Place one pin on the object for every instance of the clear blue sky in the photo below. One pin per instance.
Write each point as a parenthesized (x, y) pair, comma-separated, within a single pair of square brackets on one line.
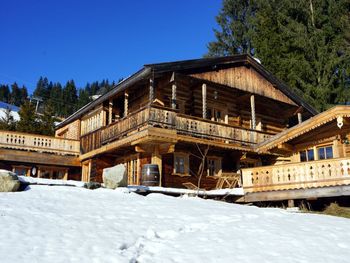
[(92, 40)]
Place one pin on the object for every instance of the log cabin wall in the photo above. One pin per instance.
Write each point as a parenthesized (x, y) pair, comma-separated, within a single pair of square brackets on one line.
[(138, 97), (93, 120), (229, 161), (69, 131), (246, 79), (233, 104)]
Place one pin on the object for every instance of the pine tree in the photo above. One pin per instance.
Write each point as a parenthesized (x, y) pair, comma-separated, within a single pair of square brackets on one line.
[(83, 99), (311, 49), (70, 98), (47, 121), (28, 121), (42, 88), (236, 27), (23, 95), (304, 43), (15, 96), (7, 122), (4, 93)]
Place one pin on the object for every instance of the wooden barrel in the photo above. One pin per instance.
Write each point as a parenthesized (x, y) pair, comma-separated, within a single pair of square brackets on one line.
[(150, 175)]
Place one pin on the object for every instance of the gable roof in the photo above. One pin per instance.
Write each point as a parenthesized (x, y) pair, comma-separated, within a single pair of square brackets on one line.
[(304, 127), (188, 66)]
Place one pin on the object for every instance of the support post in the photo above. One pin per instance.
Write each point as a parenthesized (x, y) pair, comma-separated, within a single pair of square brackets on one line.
[(151, 90), (173, 96), (300, 118), (126, 103), (204, 100), (110, 111), (290, 203), (252, 106), (157, 159)]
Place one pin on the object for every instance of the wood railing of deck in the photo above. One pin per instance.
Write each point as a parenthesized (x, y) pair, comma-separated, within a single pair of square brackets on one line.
[(197, 127), (170, 119), (329, 172), (40, 143)]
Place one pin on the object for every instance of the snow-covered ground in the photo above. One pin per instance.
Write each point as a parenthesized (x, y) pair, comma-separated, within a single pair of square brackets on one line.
[(72, 224)]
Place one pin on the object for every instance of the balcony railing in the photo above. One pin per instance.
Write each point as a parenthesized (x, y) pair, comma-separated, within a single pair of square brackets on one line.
[(40, 143), (329, 172), (167, 118)]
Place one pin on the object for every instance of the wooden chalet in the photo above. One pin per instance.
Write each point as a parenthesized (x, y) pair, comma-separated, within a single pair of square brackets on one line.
[(212, 122), (171, 114)]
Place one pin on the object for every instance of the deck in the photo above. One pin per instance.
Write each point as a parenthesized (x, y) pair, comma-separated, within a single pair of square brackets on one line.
[(185, 126), (38, 143), (297, 180)]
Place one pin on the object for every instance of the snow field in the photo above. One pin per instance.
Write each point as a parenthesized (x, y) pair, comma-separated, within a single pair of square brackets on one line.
[(71, 224)]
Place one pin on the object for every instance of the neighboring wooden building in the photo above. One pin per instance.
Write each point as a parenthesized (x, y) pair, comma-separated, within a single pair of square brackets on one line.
[(171, 114), (39, 156), (318, 161)]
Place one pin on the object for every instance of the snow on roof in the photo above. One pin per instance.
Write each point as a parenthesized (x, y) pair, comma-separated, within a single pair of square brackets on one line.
[(14, 114), (4, 105)]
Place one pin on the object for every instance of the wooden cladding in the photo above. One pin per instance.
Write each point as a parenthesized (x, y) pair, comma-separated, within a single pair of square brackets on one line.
[(93, 122), (329, 172), (167, 118), (40, 143), (246, 79)]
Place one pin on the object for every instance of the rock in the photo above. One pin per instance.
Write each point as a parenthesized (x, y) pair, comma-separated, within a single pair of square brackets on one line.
[(8, 181), (92, 185), (115, 176)]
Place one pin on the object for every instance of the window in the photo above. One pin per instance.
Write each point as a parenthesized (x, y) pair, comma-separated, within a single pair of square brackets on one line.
[(21, 170), (214, 114), (181, 163), (307, 155), (213, 166), (325, 152)]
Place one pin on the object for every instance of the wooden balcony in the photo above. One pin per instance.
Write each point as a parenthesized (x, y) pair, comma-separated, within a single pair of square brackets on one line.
[(305, 175), (38, 143), (170, 119)]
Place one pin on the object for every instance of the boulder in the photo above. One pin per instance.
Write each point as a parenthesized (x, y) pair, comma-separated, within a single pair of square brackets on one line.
[(115, 176), (8, 181), (92, 185)]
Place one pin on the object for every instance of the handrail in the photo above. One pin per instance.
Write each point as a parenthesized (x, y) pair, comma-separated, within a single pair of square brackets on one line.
[(328, 172), (36, 142), (158, 116)]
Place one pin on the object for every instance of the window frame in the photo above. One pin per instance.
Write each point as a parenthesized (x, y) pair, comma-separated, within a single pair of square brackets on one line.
[(324, 147), (217, 161), (186, 170)]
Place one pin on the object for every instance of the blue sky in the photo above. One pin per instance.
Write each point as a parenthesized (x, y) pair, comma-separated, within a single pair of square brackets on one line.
[(92, 40)]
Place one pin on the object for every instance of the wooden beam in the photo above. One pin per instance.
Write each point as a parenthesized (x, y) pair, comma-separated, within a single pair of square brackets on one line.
[(204, 100), (252, 107), (173, 96), (110, 111), (330, 191), (300, 118), (138, 149), (157, 159), (151, 90), (285, 147), (126, 103)]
